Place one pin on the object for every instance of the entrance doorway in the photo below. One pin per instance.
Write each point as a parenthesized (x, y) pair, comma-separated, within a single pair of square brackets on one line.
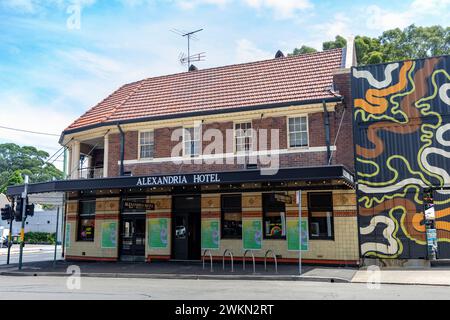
[(186, 224), (132, 235)]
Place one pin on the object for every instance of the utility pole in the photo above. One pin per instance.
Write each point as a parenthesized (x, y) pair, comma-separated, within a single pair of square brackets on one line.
[(22, 230), (56, 237)]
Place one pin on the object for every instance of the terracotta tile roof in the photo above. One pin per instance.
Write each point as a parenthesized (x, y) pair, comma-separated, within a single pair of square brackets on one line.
[(276, 81)]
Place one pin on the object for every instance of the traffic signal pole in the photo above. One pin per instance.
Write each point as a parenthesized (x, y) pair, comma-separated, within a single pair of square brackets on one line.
[(22, 230), (10, 233)]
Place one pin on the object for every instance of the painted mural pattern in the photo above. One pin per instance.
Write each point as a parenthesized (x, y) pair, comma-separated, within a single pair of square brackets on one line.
[(402, 135)]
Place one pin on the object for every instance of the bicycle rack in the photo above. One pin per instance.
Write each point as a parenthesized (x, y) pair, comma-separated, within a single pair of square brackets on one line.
[(275, 259), (253, 257), (223, 259), (210, 257)]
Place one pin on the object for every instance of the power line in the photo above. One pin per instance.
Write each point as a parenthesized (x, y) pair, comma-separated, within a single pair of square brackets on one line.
[(28, 131)]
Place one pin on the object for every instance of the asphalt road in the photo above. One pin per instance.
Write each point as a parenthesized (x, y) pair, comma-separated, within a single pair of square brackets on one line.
[(31, 257), (125, 289)]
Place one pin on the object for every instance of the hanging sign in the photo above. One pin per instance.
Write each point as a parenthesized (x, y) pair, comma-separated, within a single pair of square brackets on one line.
[(293, 235), (158, 233), (252, 233), (134, 205), (109, 235), (67, 236), (210, 234)]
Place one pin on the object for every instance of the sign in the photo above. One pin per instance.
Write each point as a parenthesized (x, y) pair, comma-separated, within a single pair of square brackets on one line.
[(158, 233), (283, 198), (210, 234), (67, 236), (109, 235), (293, 235), (134, 205), (179, 180), (252, 233)]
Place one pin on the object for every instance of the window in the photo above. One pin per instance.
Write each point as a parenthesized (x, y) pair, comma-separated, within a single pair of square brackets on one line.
[(274, 217), (191, 142), (243, 134), (321, 215), (231, 216), (86, 220), (147, 144), (298, 132)]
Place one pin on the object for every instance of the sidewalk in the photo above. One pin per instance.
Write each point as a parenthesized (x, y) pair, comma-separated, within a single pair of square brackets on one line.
[(183, 270), (28, 248), (433, 277)]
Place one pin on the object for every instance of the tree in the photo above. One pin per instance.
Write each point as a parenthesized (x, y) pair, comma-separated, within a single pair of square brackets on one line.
[(410, 43), (303, 49), (16, 161)]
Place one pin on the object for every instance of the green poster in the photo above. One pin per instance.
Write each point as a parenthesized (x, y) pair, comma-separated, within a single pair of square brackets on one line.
[(109, 235), (67, 236), (292, 235), (210, 234), (158, 233), (252, 234)]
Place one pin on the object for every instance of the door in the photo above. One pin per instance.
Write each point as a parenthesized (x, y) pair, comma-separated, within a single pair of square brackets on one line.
[(186, 225), (133, 238)]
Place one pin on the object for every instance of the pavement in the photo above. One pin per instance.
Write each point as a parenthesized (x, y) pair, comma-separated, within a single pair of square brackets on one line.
[(194, 271)]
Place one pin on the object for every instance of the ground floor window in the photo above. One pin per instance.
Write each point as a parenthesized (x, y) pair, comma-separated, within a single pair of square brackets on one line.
[(231, 216), (86, 220), (320, 207), (274, 212)]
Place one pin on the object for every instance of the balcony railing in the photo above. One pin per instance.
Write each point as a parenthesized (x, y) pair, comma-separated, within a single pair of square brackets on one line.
[(90, 173)]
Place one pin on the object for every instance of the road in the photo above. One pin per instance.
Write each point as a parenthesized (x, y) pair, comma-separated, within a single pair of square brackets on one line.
[(124, 289), (44, 255)]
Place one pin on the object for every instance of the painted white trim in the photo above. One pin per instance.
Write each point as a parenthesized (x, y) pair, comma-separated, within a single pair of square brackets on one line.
[(288, 138), (139, 143), (230, 155)]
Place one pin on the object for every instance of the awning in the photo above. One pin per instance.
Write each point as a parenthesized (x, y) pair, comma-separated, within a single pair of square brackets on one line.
[(228, 177)]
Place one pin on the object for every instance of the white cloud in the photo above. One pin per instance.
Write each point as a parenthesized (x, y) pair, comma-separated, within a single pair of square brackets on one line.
[(190, 4), (283, 8), (246, 51)]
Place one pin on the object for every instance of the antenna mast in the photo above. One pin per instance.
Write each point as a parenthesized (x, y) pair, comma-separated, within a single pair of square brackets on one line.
[(188, 59)]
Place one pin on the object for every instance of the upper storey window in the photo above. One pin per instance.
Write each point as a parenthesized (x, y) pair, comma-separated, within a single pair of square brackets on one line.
[(298, 132), (191, 138), (243, 135), (147, 144)]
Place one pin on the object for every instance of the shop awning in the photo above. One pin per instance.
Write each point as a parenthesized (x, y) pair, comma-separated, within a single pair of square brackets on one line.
[(229, 177)]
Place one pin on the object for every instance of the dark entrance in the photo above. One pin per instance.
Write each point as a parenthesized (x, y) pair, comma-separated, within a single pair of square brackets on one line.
[(132, 236), (186, 224)]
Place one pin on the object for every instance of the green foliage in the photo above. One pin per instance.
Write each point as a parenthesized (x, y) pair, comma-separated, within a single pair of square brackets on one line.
[(16, 161), (302, 50), (393, 45), (40, 238)]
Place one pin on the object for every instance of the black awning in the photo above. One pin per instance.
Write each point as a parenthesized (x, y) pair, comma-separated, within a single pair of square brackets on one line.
[(229, 177)]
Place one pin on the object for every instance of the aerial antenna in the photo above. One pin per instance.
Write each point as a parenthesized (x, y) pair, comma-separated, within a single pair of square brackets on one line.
[(187, 59)]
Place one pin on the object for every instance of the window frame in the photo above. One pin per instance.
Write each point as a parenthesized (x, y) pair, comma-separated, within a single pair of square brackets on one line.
[(139, 144), (311, 237), (265, 237), (235, 137), (222, 215), (81, 217), (187, 128), (288, 132)]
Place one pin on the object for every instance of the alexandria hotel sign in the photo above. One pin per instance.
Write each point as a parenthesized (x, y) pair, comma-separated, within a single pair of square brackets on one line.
[(178, 180)]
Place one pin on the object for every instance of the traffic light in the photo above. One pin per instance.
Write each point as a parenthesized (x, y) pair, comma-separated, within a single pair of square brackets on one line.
[(18, 211), (29, 210), (6, 212)]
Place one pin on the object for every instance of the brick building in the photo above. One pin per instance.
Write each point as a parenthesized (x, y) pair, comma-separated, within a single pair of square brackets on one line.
[(167, 167)]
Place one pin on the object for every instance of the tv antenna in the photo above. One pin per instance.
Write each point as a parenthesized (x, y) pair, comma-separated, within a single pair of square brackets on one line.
[(187, 59)]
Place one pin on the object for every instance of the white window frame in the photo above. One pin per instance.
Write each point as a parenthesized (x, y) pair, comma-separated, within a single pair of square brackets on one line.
[(235, 137), (184, 142), (139, 144), (288, 132)]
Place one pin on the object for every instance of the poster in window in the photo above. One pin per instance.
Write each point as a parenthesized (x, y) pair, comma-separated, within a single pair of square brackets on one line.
[(210, 234), (67, 236), (158, 233), (252, 234), (293, 235), (109, 235)]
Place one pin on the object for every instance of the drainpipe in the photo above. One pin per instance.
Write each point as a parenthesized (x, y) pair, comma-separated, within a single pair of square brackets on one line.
[(326, 120), (122, 149)]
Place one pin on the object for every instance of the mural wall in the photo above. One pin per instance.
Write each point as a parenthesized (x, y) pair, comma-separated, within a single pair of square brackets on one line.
[(401, 114)]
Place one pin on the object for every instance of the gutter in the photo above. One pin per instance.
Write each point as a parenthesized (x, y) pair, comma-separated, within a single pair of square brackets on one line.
[(122, 149), (326, 121)]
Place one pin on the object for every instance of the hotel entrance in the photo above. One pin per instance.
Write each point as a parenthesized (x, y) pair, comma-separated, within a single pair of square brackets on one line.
[(132, 230), (186, 224)]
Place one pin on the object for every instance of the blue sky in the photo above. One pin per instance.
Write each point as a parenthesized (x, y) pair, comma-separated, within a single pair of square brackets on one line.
[(51, 71)]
